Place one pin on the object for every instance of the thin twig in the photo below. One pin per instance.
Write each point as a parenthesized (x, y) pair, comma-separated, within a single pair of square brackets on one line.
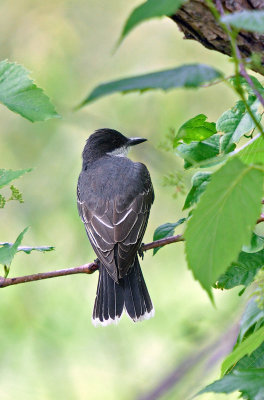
[(82, 269), (92, 267), (243, 72), (240, 91), (206, 85), (220, 7), (162, 242)]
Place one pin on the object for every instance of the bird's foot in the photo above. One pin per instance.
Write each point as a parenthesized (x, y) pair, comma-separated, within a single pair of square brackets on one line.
[(141, 251)]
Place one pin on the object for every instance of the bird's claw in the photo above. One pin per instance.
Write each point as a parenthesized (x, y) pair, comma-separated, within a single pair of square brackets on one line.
[(141, 251)]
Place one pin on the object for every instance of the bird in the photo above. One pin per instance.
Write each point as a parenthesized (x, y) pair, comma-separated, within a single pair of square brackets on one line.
[(114, 197)]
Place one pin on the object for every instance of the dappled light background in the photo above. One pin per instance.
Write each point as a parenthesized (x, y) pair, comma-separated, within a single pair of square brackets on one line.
[(49, 348)]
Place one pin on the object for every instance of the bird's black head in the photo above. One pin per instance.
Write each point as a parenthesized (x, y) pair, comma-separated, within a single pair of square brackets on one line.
[(107, 142)]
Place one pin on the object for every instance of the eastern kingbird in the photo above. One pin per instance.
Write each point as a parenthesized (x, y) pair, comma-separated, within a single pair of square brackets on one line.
[(114, 196)]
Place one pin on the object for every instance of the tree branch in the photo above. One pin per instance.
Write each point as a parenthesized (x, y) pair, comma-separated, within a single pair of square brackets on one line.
[(194, 19), (82, 269), (162, 242), (243, 71), (91, 267), (217, 11)]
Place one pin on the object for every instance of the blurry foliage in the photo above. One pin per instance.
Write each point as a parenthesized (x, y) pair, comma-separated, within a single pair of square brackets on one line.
[(176, 180), (167, 143), (259, 291), (248, 20)]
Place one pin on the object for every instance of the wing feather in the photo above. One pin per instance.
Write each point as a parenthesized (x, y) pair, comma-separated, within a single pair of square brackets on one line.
[(116, 226)]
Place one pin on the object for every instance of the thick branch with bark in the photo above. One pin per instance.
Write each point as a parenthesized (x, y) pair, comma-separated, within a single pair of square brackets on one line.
[(196, 21)]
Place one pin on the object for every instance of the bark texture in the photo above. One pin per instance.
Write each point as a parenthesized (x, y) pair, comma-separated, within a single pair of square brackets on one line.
[(196, 22)]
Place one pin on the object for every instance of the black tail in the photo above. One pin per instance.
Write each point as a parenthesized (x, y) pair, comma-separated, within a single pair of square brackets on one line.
[(130, 293)]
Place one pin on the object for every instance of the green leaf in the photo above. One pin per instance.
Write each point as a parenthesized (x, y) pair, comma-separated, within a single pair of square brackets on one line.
[(241, 272), (196, 152), (250, 344), (223, 220), (199, 183), (256, 244), (226, 144), (250, 318), (7, 252), (254, 360), (252, 21), (2, 201), (8, 175), (165, 230), (195, 129), (150, 9), (253, 151), (243, 82), (28, 249), (236, 122), (16, 194), (249, 382), (188, 76), (21, 95)]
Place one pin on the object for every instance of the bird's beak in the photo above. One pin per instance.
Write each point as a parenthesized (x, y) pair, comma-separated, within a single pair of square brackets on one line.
[(135, 140)]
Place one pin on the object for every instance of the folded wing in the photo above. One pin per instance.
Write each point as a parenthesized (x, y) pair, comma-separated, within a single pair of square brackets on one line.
[(116, 226)]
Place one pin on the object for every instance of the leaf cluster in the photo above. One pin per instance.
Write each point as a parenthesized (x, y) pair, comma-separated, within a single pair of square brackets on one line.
[(222, 249), (6, 177), (21, 95)]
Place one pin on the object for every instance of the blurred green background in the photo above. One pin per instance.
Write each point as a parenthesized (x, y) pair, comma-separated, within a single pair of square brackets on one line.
[(49, 348)]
